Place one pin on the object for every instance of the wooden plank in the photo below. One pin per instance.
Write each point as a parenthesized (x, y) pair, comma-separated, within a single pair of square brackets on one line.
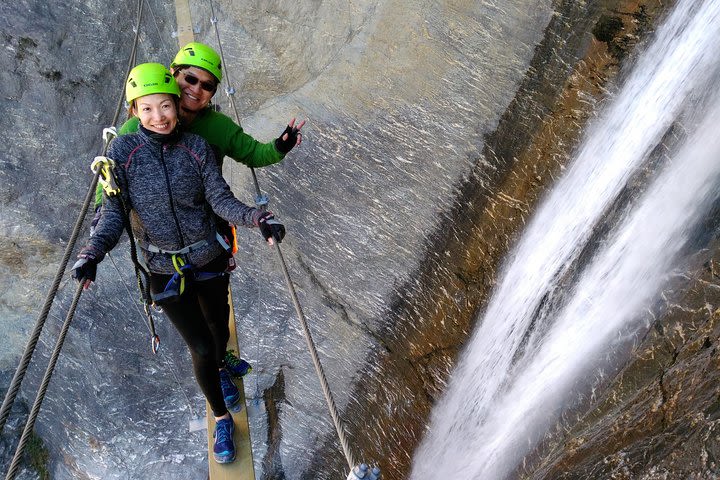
[(184, 23), (242, 468)]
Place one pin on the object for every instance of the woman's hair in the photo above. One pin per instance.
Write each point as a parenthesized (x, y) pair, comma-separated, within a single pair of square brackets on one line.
[(130, 108)]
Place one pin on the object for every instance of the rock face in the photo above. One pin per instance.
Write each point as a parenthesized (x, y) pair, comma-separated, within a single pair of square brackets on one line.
[(433, 129), (658, 417)]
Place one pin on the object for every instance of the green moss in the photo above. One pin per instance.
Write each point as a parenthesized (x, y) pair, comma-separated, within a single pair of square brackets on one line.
[(37, 456)]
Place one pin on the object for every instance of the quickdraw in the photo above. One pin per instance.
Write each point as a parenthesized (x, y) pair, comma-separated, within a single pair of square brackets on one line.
[(105, 165), (154, 337), (184, 272)]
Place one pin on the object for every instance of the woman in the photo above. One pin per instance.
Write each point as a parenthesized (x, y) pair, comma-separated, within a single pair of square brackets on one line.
[(170, 187)]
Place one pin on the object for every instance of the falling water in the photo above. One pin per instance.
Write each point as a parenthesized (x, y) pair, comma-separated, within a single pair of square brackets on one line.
[(530, 351)]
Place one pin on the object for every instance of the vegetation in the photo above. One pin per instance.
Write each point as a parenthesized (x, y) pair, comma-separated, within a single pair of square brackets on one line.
[(37, 456)]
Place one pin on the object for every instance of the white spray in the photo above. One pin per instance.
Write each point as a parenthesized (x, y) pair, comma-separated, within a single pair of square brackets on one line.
[(511, 382)]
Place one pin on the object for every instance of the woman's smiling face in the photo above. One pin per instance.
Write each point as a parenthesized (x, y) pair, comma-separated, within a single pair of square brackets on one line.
[(157, 112)]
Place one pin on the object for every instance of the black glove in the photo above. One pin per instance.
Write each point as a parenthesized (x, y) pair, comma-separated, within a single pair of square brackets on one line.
[(284, 146), (85, 269), (269, 227)]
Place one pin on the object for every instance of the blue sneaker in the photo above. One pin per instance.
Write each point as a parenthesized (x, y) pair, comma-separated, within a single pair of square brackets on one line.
[(231, 394), (224, 448), (236, 366)]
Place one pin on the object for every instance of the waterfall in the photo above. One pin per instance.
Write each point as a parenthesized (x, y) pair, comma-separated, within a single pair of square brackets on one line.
[(539, 343)]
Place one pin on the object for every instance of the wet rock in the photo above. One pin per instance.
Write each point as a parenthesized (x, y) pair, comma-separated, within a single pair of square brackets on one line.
[(433, 132), (607, 28)]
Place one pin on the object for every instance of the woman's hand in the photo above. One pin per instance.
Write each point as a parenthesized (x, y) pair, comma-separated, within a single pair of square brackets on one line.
[(271, 229), (85, 269)]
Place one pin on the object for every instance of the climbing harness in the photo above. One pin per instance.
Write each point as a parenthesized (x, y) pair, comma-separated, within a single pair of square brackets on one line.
[(214, 236), (184, 273), (176, 286)]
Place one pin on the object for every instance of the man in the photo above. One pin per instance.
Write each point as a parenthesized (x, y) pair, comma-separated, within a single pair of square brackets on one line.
[(198, 71)]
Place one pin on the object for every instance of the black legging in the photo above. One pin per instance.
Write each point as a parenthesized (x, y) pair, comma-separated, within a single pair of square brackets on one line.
[(201, 316)]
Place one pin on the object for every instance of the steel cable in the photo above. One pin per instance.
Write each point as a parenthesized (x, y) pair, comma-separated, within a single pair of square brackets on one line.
[(30, 424), (306, 330), (14, 387)]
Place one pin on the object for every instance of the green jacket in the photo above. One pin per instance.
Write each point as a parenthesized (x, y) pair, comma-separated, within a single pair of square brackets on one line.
[(226, 138)]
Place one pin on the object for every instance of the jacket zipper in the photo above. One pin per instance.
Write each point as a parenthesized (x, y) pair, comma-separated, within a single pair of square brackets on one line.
[(172, 201)]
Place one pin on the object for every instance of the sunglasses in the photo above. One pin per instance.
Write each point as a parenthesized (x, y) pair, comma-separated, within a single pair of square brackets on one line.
[(193, 80)]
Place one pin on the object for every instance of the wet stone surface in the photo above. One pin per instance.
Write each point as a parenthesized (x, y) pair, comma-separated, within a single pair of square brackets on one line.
[(432, 133)]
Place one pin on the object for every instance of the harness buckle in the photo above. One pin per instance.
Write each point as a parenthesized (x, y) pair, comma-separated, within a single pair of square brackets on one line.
[(176, 285)]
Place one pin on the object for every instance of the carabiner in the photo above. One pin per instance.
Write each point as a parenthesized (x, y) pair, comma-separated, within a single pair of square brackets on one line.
[(106, 179), (154, 337), (155, 344)]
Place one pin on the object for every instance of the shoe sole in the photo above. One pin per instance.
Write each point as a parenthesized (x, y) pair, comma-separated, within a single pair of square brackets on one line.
[(224, 459), (234, 407), (246, 373)]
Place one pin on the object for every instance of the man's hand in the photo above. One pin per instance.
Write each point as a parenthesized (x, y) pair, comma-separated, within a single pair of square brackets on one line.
[(290, 137)]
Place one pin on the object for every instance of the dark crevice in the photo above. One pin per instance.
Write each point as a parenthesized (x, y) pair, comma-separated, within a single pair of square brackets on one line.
[(272, 461), (333, 303)]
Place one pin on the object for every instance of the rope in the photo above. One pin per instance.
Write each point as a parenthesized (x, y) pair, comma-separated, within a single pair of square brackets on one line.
[(229, 90), (30, 424), (165, 359), (143, 286), (316, 362), (308, 337), (32, 343), (131, 60), (40, 323)]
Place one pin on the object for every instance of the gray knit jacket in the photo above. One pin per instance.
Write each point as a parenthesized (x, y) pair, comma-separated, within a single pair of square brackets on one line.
[(171, 190)]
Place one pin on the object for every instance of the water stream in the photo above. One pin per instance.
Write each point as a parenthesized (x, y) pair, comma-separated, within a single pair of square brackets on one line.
[(542, 341)]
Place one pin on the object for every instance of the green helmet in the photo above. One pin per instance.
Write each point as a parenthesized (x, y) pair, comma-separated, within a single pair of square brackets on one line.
[(149, 78), (199, 55)]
